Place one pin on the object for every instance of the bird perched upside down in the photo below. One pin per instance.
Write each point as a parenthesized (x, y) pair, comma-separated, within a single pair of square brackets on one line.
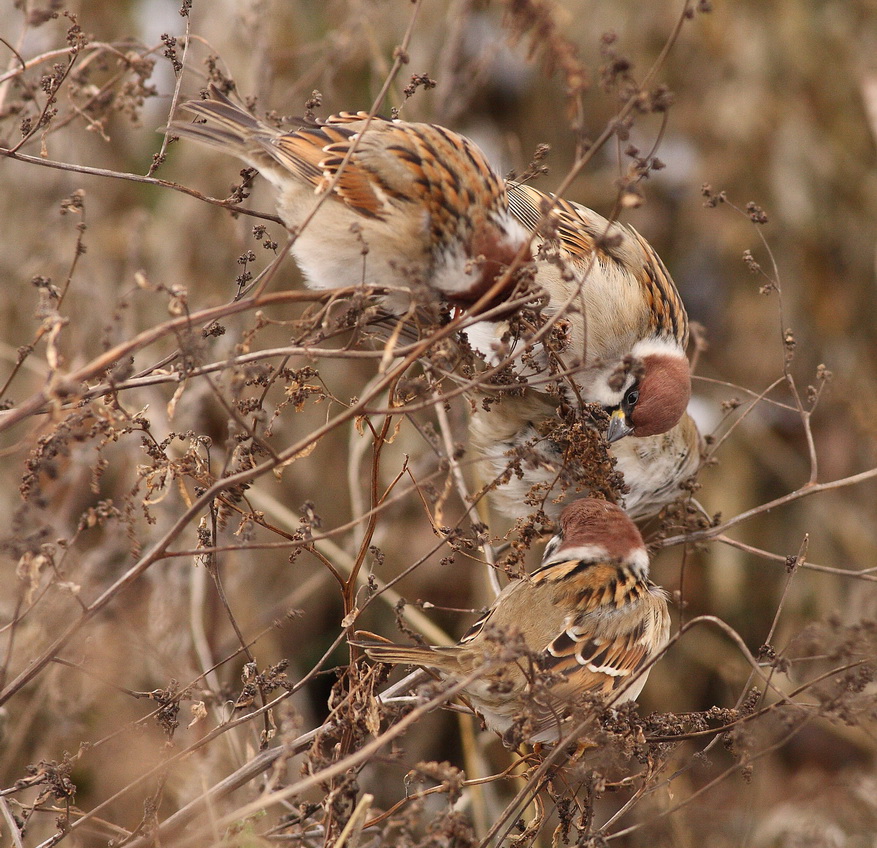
[(617, 304), (413, 204), (588, 615), (408, 203), (626, 327)]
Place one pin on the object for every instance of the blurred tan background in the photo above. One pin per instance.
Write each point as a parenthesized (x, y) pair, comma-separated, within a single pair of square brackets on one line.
[(774, 104)]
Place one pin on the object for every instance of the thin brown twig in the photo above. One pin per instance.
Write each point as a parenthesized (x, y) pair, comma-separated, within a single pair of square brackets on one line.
[(136, 178), (807, 489), (70, 383), (344, 764), (758, 755), (867, 574)]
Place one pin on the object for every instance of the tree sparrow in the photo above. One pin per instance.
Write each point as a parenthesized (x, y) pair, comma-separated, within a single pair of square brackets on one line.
[(588, 620), (408, 204), (624, 325)]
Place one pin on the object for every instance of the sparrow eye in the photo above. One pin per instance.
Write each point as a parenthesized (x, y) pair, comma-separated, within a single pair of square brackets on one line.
[(631, 397)]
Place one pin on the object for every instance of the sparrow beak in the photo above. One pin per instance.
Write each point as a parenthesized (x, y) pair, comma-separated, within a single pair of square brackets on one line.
[(618, 427)]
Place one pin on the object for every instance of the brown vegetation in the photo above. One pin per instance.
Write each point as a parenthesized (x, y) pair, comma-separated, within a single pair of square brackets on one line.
[(213, 474)]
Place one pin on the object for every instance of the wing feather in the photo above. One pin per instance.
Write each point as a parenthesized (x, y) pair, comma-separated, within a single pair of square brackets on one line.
[(587, 236)]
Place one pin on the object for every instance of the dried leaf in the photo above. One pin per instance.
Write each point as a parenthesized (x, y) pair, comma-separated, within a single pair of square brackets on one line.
[(199, 713), (28, 571), (278, 470), (373, 716)]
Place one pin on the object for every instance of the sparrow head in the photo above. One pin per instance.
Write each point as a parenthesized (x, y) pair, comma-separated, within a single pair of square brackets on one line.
[(594, 531), (652, 397)]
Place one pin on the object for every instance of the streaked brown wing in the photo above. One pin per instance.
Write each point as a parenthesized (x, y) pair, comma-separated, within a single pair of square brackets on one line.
[(392, 161), (583, 234), (604, 642), (316, 154), (660, 292), (475, 630), (594, 664), (577, 235), (351, 117), (525, 203)]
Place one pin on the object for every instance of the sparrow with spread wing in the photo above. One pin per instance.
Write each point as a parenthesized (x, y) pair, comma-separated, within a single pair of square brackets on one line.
[(588, 617)]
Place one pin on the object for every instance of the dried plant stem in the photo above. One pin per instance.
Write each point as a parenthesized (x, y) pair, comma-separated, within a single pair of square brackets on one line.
[(11, 824), (756, 400), (344, 562), (137, 178), (70, 383), (462, 490), (805, 490), (866, 574), (351, 761), (724, 775)]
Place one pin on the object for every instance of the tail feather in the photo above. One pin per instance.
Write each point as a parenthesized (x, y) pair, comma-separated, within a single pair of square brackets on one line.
[(224, 139), (232, 128), (223, 110), (383, 650)]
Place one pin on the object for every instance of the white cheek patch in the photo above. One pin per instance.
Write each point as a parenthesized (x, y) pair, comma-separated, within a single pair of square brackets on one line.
[(589, 553), (603, 394), (639, 563), (551, 548), (637, 558)]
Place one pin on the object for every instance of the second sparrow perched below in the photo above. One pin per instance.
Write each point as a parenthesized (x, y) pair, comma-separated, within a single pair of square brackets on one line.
[(588, 617)]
